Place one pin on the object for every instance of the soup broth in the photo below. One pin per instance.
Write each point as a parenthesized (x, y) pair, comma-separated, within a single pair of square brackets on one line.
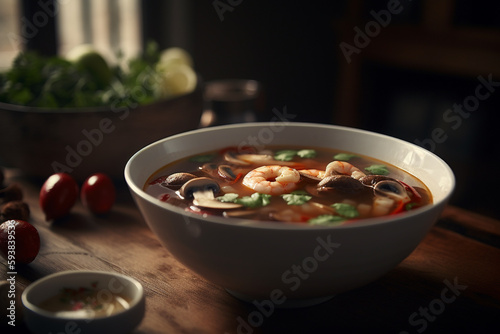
[(316, 186)]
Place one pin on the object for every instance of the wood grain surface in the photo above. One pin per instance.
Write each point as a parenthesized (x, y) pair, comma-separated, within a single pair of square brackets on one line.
[(449, 284)]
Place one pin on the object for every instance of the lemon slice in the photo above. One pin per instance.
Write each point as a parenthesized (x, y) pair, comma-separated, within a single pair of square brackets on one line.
[(174, 56), (176, 80)]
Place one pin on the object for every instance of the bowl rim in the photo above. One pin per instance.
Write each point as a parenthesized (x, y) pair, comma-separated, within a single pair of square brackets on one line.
[(242, 222), (44, 110), (135, 300)]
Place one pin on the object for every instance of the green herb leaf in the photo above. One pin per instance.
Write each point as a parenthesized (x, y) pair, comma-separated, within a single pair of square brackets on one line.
[(344, 156), (254, 201), (298, 197), (346, 210), (285, 155), (202, 158), (377, 169), (229, 197), (410, 206), (306, 153), (329, 220)]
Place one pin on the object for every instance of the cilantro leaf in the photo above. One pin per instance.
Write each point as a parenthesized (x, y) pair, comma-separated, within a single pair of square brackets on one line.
[(410, 206), (254, 201), (298, 197), (326, 220), (306, 153), (202, 158), (344, 156), (377, 169), (285, 155), (345, 210), (229, 197)]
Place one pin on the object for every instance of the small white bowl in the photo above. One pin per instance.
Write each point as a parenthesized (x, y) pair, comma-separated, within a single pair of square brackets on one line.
[(288, 264), (39, 320)]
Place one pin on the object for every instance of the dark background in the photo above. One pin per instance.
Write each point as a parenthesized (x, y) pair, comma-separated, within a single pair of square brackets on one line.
[(293, 48)]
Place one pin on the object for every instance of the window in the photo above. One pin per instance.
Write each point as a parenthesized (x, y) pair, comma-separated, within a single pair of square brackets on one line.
[(9, 24), (110, 25)]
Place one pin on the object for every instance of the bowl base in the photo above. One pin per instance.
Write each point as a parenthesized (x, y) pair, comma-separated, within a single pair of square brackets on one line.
[(288, 303)]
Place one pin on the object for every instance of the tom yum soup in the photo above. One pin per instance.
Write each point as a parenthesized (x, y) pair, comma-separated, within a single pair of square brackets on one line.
[(295, 185)]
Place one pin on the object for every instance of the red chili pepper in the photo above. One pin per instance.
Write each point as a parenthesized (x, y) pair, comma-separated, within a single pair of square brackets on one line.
[(304, 219), (412, 190), (237, 178), (77, 306), (399, 208), (164, 197), (158, 180)]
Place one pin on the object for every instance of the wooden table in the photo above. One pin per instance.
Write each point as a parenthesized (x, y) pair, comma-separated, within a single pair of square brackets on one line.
[(449, 284)]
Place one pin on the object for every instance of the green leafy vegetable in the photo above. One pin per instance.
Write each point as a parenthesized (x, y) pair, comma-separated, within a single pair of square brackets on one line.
[(202, 158), (285, 155), (346, 210), (288, 155), (298, 197), (377, 169), (329, 220), (344, 156), (410, 206), (306, 153), (229, 197), (54, 82), (255, 200)]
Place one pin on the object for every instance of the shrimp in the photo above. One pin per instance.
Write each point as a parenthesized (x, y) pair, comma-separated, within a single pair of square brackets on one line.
[(344, 168), (273, 180)]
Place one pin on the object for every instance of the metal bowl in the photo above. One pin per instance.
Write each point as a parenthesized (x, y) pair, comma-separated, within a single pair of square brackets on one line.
[(80, 142)]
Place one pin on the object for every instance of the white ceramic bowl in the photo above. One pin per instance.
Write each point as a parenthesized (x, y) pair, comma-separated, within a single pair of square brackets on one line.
[(288, 264), (41, 321)]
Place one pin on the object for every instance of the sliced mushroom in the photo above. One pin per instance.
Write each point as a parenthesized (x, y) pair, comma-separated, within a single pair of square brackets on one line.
[(372, 180), (176, 180), (342, 183), (240, 213), (247, 159), (232, 157), (202, 191), (226, 172), (308, 177), (391, 189), (198, 186), (212, 203), (255, 158), (209, 168)]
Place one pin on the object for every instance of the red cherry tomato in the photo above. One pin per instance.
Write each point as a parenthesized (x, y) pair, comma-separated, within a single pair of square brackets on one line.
[(58, 195), (20, 237), (98, 193)]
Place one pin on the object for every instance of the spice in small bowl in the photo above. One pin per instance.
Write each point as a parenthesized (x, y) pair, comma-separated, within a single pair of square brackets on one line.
[(86, 302), (92, 301)]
